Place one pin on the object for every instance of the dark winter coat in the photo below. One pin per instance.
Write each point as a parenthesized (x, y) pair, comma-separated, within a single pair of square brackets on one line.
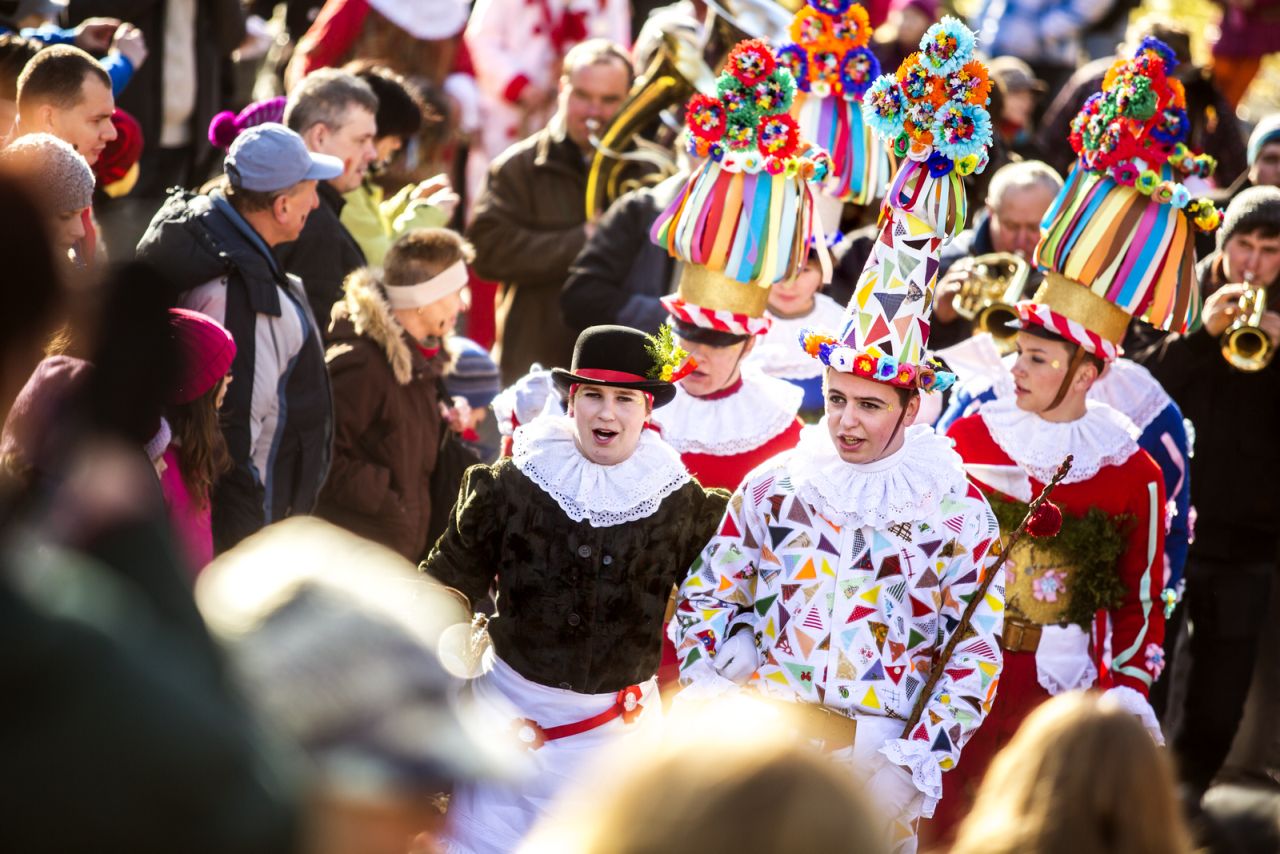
[(527, 228), (323, 255), (1236, 416), (621, 275), (581, 607), (202, 245), (386, 424)]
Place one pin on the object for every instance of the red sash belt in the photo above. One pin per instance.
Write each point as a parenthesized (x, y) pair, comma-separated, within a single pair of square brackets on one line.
[(626, 706)]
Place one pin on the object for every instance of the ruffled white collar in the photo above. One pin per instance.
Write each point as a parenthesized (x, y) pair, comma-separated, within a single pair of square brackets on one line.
[(1125, 386), (906, 486), (1103, 437), (546, 451), (779, 353), (736, 424)]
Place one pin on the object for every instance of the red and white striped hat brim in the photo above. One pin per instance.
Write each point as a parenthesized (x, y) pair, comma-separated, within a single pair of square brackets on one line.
[(717, 319), (1041, 315)]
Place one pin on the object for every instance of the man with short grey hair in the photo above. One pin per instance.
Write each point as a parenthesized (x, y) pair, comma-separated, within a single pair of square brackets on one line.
[(216, 249), (1017, 198), (334, 113)]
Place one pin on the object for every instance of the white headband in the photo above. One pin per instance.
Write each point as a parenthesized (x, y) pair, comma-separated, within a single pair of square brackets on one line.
[(424, 293)]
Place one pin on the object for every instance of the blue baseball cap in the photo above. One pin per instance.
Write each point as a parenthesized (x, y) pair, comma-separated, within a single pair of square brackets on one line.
[(270, 157)]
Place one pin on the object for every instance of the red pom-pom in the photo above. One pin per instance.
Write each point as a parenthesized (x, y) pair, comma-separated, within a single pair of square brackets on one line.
[(223, 130), (1046, 521)]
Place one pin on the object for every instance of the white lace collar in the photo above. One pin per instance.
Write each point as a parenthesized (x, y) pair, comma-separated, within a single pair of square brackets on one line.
[(1103, 437), (726, 426), (545, 450), (1130, 388), (779, 353), (906, 486)]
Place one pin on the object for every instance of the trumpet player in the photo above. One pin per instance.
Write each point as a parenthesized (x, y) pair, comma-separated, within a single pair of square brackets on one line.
[(1017, 198), (1231, 565)]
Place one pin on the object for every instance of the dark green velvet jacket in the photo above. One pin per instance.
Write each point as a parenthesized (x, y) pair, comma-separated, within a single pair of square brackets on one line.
[(579, 607)]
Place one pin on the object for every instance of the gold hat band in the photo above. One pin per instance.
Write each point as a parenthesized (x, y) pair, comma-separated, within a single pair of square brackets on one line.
[(713, 290), (1075, 302)]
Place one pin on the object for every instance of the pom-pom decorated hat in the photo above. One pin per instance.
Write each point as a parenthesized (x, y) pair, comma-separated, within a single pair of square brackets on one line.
[(744, 219), (1119, 240), (833, 69), (934, 111)]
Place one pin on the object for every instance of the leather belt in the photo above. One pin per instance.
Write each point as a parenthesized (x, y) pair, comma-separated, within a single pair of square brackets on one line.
[(1020, 635)]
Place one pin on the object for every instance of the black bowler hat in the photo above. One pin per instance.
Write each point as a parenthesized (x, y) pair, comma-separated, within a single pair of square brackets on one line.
[(615, 356)]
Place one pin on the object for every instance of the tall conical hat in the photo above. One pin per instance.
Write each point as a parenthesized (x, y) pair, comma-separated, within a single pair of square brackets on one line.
[(744, 219), (934, 111), (833, 69), (1119, 240)]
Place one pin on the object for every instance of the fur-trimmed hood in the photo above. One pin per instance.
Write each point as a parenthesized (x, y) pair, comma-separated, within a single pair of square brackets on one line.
[(363, 312)]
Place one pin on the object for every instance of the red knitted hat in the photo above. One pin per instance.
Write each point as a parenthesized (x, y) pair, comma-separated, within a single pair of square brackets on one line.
[(205, 350), (121, 153)]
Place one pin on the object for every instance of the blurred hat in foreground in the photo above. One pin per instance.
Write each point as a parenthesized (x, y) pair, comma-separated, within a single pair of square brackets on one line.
[(333, 639)]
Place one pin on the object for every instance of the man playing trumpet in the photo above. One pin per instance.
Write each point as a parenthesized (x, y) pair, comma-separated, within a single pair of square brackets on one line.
[(1231, 564)]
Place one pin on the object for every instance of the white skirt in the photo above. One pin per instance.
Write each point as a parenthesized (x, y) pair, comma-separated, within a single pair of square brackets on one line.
[(492, 818)]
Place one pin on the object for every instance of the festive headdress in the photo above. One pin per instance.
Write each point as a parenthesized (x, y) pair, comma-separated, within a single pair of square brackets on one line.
[(833, 69), (743, 220), (1119, 240), (933, 110)]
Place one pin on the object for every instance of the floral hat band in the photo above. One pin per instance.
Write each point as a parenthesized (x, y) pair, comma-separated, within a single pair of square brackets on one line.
[(876, 365)]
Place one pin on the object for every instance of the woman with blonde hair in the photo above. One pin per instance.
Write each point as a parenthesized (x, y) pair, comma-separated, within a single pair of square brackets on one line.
[(1081, 774)]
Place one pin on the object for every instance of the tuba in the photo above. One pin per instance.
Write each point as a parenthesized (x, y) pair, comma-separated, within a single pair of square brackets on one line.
[(987, 298), (1244, 345), (685, 63), (676, 72)]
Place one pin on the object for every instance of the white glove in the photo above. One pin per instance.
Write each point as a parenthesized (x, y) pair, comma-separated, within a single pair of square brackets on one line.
[(891, 788), (737, 658), (1136, 704)]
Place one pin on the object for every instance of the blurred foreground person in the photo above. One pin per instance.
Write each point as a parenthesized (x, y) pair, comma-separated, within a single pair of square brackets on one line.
[(1082, 774), (333, 640), (117, 731), (725, 778)]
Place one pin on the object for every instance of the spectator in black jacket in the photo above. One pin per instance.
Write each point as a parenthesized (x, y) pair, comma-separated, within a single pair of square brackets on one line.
[(216, 249), (620, 275), (335, 114), (1231, 564)]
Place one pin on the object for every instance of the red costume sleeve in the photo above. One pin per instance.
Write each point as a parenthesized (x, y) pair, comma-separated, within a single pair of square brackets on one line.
[(332, 33), (1137, 624)]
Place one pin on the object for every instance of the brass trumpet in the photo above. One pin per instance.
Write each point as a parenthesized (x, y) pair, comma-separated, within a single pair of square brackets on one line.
[(987, 297), (1245, 346)]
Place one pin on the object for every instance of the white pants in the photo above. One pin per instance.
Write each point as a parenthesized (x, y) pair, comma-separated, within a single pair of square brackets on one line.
[(492, 818)]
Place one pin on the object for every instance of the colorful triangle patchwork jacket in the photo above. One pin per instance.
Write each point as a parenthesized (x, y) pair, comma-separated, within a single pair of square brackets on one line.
[(850, 617)]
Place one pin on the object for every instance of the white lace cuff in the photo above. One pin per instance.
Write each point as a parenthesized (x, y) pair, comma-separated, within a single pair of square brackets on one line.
[(922, 762), (1136, 704)]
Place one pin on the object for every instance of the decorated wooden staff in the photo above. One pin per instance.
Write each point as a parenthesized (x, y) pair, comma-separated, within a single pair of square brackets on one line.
[(1037, 524)]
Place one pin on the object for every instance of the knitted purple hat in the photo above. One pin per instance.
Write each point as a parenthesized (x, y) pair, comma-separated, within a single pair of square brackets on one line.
[(226, 126)]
